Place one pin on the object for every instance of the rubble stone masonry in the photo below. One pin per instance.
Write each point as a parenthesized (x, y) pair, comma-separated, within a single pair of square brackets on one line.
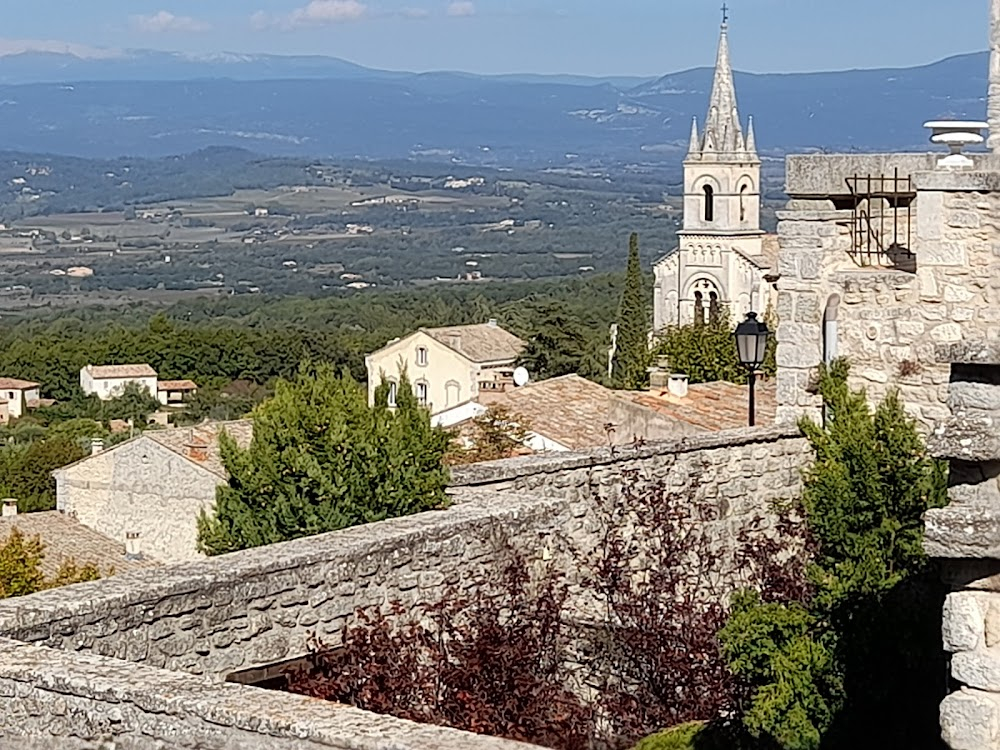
[(138, 653), (888, 321)]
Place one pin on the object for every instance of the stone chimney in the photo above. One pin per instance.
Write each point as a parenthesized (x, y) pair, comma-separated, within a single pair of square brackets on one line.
[(9, 507), (96, 446), (132, 551), (196, 451), (678, 385), (659, 375)]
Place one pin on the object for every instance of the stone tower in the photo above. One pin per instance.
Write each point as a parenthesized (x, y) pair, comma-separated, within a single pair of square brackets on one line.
[(993, 106), (722, 170), (719, 262)]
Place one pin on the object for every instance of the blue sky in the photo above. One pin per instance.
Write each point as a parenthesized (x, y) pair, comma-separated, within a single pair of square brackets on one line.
[(596, 37)]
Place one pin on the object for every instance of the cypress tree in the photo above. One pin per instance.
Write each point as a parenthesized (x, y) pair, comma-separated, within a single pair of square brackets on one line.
[(632, 355)]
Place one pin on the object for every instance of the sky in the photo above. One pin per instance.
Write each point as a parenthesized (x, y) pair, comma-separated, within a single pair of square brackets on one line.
[(584, 37)]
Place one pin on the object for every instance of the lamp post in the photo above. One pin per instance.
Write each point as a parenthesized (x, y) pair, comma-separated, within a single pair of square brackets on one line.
[(751, 346)]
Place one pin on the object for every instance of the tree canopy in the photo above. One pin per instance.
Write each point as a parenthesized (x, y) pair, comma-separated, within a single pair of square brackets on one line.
[(322, 459)]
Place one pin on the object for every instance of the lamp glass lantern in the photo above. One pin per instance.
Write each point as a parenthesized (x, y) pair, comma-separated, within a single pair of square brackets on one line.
[(751, 346)]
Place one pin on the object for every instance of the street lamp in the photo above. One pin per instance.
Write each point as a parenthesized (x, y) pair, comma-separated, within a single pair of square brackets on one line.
[(751, 346)]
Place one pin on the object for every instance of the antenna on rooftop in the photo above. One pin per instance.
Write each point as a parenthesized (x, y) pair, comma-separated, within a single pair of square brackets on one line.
[(521, 377)]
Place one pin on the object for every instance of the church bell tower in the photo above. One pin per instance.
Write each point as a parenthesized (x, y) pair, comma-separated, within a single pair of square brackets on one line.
[(722, 169)]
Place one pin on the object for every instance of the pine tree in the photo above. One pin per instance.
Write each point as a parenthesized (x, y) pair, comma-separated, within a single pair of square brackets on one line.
[(632, 355), (321, 459)]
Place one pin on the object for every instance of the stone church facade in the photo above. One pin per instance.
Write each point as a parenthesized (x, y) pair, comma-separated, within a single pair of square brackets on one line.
[(723, 260)]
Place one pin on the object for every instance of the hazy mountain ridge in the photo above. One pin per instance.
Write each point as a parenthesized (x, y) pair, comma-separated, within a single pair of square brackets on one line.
[(149, 104)]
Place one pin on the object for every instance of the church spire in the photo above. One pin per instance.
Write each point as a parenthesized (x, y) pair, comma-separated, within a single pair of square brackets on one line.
[(694, 148), (751, 147), (722, 126)]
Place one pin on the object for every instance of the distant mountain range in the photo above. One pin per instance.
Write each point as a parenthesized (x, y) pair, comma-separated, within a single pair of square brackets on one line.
[(155, 103)]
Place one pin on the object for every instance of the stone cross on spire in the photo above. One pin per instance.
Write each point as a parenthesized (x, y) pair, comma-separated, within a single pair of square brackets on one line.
[(993, 105)]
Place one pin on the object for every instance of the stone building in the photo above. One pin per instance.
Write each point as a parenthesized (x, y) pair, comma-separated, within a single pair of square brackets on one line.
[(155, 485), (447, 367), (724, 259)]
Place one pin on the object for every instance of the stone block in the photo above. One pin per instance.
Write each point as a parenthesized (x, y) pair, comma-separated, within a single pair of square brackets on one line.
[(947, 333), (964, 219), (963, 622), (799, 345), (968, 395), (970, 720)]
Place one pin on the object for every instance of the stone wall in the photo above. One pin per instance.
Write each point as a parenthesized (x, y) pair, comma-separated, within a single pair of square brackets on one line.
[(258, 607), (101, 703), (888, 321), (966, 537)]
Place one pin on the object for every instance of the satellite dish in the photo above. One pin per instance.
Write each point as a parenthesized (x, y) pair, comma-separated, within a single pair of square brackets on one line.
[(521, 377)]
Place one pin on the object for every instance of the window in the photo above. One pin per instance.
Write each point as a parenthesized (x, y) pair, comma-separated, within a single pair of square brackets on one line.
[(422, 393), (392, 394), (743, 208), (709, 203), (422, 356), (699, 308)]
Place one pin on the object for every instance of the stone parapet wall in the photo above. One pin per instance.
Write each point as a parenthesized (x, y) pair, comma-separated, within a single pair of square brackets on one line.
[(259, 607), (101, 702)]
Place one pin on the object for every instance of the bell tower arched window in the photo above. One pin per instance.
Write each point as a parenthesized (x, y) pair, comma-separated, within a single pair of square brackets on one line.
[(709, 203), (743, 207)]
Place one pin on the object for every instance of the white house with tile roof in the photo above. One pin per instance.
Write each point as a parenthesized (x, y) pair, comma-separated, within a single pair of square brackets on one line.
[(18, 396), (109, 381), (447, 367)]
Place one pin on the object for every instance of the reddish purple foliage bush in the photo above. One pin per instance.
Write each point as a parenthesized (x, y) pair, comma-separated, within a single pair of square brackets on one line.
[(505, 662)]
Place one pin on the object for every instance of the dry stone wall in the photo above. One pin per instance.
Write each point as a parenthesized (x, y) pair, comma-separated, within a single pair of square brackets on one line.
[(259, 607), (105, 704)]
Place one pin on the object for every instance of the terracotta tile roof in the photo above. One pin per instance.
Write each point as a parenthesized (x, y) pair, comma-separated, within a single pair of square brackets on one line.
[(110, 372), (39, 403), (480, 343), (570, 410), (205, 437), (65, 538), (714, 406), (176, 385), (14, 384)]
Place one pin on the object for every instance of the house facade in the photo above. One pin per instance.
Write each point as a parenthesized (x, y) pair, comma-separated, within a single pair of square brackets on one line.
[(109, 381), (447, 367), (19, 396), (155, 485)]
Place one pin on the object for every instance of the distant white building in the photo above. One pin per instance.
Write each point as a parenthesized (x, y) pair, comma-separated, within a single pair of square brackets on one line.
[(109, 381), (19, 395)]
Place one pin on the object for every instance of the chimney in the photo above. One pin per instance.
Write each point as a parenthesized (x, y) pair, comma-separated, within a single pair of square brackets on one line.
[(132, 551), (9, 507), (677, 385), (492, 323), (96, 446), (659, 375), (197, 451)]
